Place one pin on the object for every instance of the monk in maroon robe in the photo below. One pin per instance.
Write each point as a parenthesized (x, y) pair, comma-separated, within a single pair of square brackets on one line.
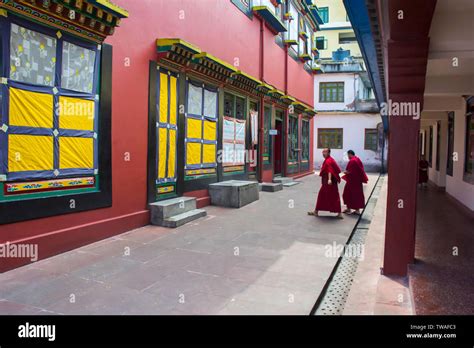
[(328, 196), (423, 171), (355, 176)]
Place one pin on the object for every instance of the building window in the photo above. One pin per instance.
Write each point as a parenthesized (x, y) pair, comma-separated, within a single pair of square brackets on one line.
[(331, 92), (201, 126), (449, 164), (430, 150), (244, 5), (330, 138), (469, 161), (50, 130), (321, 43), (302, 42), (347, 38), (438, 144), (293, 139), (371, 139), (324, 14), (305, 139), (292, 33), (233, 141)]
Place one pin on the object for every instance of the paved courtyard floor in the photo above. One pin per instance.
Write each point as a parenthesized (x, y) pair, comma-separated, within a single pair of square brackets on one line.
[(268, 257)]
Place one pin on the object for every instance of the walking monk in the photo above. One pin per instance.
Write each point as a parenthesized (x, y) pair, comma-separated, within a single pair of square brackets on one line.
[(328, 197), (355, 176)]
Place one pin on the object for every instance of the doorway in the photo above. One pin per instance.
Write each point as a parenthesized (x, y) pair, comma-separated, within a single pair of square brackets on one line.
[(278, 146)]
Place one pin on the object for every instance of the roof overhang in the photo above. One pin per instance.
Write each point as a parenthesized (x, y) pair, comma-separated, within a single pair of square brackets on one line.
[(92, 20), (366, 29)]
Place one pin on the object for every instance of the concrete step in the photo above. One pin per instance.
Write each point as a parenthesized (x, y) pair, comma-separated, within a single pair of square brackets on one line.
[(271, 186), (291, 183), (282, 180), (165, 209), (181, 219)]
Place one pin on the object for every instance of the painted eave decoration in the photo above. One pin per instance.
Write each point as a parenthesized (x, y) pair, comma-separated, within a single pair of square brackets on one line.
[(304, 57), (93, 20), (310, 111), (245, 81), (272, 21), (290, 42), (299, 106), (181, 54), (276, 93), (264, 87), (207, 64), (316, 69), (176, 52), (304, 35), (287, 99), (311, 11), (315, 52)]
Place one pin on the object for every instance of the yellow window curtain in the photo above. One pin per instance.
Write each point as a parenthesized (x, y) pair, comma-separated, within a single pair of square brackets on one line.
[(75, 152), (31, 109), (76, 113), (163, 110), (30, 152)]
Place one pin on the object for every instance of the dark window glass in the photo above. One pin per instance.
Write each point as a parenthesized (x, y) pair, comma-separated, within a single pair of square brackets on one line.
[(449, 164), (324, 14), (371, 140), (330, 137), (331, 92), (305, 139), (430, 151)]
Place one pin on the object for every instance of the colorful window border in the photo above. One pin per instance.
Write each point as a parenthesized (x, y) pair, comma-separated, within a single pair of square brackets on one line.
[(56, 91), (202, 118)]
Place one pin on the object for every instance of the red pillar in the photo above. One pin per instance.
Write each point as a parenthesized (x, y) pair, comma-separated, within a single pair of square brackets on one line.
[(406, 60)]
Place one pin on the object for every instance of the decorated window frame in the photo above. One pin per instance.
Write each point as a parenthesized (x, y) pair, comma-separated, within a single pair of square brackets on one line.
[(201, 124), (49, 120), (234, 133)]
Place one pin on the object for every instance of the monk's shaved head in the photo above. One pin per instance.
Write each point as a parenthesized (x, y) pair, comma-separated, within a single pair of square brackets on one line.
[(326, 152)]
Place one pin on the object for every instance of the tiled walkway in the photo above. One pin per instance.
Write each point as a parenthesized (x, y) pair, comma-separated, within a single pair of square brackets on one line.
[(265, 258), (443, 282)]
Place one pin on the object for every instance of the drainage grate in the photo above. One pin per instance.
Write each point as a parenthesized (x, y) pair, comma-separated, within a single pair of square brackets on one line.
[(333, 300)]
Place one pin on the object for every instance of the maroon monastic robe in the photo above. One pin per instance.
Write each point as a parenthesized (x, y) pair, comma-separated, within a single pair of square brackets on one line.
[(353, 194), (423, 171), (328, 197)]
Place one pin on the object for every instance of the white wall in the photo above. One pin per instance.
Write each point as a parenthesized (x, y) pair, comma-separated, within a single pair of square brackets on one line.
[(455, 185), (353, 126), (350, 84)]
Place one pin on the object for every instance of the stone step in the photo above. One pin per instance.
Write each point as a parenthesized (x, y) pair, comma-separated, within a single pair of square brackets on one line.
[(291, 183), (271, 186), (233, 193), (181, 219), (282, 180), (164, 209)]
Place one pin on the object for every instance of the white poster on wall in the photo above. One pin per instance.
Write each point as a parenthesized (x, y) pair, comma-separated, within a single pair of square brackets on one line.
[(254, 126)]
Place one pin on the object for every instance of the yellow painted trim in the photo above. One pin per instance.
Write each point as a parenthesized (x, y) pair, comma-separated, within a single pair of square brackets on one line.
[(108, 4), (171, 42), (276, 91), (266, 85), (288, 97), (3, 12), (250, 77), (215, 59)]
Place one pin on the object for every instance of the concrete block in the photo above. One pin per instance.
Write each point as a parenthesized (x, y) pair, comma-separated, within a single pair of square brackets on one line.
[(282, 180), (271, 186), (233, 193)]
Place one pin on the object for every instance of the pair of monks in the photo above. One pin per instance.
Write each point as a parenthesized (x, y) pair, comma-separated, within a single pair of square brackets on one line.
[(353, 195)]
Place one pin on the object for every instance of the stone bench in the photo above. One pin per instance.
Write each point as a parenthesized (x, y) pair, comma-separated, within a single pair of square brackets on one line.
[(233, 193)]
